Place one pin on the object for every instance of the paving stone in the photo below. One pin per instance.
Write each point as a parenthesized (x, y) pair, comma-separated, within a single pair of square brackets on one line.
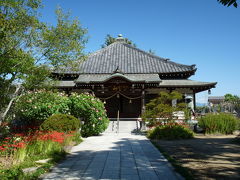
[(111, 156), (30, 170), (59, 170), (151, 175), (129, 177), (43, 161), (53, 176), (128, 164), (129, 171), (110, 176)]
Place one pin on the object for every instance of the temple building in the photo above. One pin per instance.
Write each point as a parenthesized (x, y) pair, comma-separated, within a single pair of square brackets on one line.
[(127, 78)]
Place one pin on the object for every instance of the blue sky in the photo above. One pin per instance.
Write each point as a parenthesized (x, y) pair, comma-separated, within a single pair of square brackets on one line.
[(201, 32)]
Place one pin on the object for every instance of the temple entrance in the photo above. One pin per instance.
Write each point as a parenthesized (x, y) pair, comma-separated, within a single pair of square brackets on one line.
[(128, 108)]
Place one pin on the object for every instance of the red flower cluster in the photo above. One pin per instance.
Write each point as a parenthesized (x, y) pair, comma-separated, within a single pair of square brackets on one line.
[(53, 136), (11, 144), (2, 148)]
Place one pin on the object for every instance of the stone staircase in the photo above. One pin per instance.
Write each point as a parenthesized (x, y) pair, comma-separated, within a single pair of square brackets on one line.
[(125, 126)]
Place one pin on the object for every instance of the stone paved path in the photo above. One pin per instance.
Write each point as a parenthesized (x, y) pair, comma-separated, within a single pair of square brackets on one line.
[(114, 156)]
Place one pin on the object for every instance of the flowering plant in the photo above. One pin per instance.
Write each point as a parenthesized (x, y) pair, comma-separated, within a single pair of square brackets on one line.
[(92, 111), (35, 107)]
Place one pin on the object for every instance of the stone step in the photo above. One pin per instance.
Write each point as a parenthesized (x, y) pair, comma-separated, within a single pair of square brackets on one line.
[(124, 127)]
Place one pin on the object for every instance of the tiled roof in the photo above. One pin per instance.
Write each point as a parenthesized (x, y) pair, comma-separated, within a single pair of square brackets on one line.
[(216, 98), (129, 60), (185, 83), (100, 78)]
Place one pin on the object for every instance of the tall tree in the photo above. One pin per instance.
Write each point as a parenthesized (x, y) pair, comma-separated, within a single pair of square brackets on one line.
[(29, 47), (229, 2), (232, 102), (109, 40)]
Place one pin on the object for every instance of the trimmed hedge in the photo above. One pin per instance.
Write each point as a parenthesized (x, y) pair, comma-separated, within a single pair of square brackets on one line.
[(219, 123), (61, 123), (170, 132)]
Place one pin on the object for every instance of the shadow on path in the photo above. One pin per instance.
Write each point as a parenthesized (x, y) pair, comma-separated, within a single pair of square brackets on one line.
[(114, 156)]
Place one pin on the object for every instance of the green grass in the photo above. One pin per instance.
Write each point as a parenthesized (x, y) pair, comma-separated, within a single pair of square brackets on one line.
[(34, 151), (177, 166), (15, 172)]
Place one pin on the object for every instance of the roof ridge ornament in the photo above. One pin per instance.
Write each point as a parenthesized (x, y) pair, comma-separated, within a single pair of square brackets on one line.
[(117, 70), (120, 38)]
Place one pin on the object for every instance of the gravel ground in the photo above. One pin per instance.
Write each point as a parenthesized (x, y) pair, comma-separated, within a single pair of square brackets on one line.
[(207, 157)]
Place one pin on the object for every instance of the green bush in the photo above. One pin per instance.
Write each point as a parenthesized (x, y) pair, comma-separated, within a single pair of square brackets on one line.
[(61, 123), (35, 107), (218, 123), (170, 132), (92, 111)]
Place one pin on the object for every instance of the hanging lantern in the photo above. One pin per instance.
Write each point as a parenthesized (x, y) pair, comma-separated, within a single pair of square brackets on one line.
[(130, 101), (209, 91), (104, 102), (117, 95)]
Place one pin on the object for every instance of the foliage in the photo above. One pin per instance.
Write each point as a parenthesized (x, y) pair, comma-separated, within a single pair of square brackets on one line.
[(35, 107), (29, 47), (61, 123), (37, 145), (229, 2), (170, 132), (151, 52), (91, 110), (218, 123), (109, 40), (231, 98), (4, 129), (202, 109), (13, 173), (232, 103), (161, 108)]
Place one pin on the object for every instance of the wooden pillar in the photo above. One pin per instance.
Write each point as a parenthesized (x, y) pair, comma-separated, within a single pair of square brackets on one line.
[(194, 101), (143, 126), (143, 102)]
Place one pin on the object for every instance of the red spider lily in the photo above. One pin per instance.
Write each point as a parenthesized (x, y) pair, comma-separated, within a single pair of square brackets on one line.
[(69, 135), (2, 148), (53, 136), (19, 145), (11, 144), (19, 134)]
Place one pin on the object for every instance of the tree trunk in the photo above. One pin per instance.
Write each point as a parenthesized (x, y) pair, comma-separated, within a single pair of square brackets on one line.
[(9, 104)]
